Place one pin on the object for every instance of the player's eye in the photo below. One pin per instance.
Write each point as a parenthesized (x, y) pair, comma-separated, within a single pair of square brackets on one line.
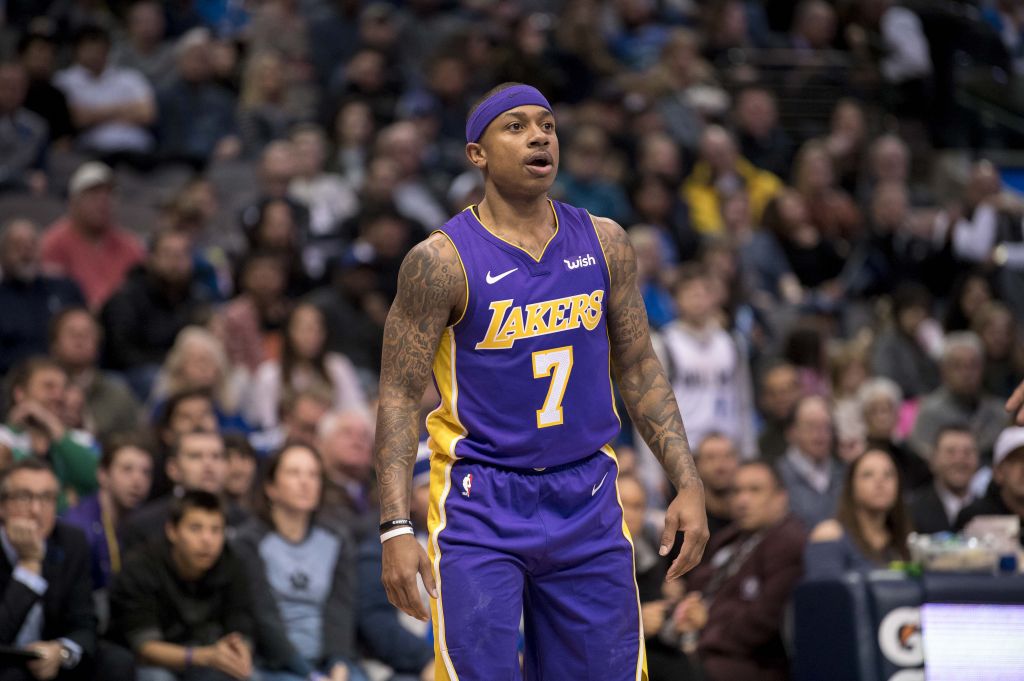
[(515, 127)]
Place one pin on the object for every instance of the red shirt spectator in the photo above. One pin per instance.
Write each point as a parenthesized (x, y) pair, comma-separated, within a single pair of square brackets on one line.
[(86, 245)]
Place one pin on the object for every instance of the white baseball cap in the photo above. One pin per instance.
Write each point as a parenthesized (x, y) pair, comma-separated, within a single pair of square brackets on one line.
[(1010, 440), (88, 175)]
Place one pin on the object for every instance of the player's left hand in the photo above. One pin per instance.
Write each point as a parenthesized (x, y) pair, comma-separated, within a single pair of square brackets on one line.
[(686, 514)]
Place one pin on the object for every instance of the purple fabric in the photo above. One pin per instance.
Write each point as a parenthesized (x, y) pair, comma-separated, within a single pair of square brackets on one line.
[(499, 103), (499, 394), (550, 547)]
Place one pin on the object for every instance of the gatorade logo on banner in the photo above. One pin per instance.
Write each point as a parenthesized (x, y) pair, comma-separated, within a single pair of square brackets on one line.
[(899, 637)]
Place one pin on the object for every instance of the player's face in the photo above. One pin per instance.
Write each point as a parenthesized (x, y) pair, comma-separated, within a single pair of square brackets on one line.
[(519, 150)]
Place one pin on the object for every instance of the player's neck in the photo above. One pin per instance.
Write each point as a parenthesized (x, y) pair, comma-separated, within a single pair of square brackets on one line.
[(527, 218)]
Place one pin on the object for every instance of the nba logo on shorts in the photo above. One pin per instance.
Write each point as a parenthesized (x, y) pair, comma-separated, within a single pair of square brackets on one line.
[(467, 484)]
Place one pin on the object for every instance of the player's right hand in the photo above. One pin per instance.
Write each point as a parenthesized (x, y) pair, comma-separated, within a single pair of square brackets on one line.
[(402, 560)]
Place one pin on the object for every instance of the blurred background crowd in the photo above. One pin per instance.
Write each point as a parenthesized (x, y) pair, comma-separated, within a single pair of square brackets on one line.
[(203, 208)]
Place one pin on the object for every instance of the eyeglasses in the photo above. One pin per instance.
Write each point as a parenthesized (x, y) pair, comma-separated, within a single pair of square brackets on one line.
[(24, 497)]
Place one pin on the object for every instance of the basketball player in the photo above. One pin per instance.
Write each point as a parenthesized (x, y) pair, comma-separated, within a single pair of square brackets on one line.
[(524, 308)]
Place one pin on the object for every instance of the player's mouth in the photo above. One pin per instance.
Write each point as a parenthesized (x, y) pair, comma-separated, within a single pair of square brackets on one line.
[(540, 163)]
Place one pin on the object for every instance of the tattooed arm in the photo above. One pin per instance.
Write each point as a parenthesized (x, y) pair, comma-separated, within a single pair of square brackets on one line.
[(431, 290), (649, 399)]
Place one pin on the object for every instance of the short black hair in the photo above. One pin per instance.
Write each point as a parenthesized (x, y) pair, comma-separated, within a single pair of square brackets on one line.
[(195, 499), (53, 330), (163, 420), (239, 443), (31, 463), (766, 465), (113, 444), (952, 427), (180, 439), (91, 33)]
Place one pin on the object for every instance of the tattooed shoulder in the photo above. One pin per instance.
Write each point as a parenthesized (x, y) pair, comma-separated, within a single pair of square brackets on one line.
[(431, 279)]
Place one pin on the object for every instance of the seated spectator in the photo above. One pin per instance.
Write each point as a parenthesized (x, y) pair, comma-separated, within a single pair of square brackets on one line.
[(263, 116), (345, 441), (125, 474), (86, 244), (584, 181), (328, 197), (197, 361), (717, 460), (1004, 350), (240, 485), (813, 478), (961, 398), (143, 318), (279, 224), (109, 405), (738, 596), (1006, 495), (649, 245), (28, 297), (37, 50), (182, 413), (197, 463), (254, 318), (871, 523), (112, 107), (144, 47), (935, 507), (301, 414), (413, 197), (880, 400), (35, 428), (705, 365), (898, 352), (24, 137), (812, 256), (196, 120), (183, 603), (971, 291), (761, 139), (721, 171), (44, 580), (828, 206), (301, 575), (778, 395), (305, 363)]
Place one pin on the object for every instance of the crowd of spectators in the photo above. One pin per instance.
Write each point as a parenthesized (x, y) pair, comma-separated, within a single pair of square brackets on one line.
[(203, 208)]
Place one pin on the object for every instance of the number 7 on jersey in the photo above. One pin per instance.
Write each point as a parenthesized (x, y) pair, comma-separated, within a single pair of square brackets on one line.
[(557, 363)]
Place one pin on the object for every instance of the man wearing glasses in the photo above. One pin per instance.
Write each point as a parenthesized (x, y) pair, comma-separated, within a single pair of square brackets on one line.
[(45, 590)]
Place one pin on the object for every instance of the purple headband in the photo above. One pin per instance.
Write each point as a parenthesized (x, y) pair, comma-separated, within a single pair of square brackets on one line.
[(499, 103)]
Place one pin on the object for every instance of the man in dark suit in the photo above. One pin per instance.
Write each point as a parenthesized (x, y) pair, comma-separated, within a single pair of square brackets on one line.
[(46, 604), (934, 506)]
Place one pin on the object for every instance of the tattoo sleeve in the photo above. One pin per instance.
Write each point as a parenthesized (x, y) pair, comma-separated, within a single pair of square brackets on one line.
[(641, 379), (431, 285)]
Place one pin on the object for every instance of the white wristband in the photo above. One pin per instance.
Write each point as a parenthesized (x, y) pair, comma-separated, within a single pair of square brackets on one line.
[(391, 534)]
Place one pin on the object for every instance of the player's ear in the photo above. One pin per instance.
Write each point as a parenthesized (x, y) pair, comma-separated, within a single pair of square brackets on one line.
[(476, 155)]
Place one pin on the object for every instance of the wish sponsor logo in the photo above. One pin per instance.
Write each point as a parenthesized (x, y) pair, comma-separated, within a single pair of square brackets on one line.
[(582, 261)]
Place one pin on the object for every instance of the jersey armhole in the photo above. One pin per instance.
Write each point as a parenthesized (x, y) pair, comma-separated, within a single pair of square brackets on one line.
[(465, 276), (604, 254)]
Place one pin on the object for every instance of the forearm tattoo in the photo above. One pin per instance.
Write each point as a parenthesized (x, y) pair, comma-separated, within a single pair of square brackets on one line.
[(429, 286), (641, 379)]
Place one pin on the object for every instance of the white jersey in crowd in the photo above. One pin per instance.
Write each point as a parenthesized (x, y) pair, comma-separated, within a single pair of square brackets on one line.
[(711, 382)]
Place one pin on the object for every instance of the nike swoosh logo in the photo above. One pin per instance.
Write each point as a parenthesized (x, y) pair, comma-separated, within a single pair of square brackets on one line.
[(495, 279), (598, 486)]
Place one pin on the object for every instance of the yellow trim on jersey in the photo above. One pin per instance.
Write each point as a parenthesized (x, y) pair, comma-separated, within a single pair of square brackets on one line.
[(437, 518), (607, 265), (443, 423), (458, 255), (472, 209), (641, 662)]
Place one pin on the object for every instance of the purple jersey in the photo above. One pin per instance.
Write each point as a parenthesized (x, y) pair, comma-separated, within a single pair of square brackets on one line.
[(525, 374)]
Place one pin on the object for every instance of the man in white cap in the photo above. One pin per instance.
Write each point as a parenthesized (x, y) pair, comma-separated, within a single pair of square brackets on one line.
[(1006, 494), (86, 244)]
